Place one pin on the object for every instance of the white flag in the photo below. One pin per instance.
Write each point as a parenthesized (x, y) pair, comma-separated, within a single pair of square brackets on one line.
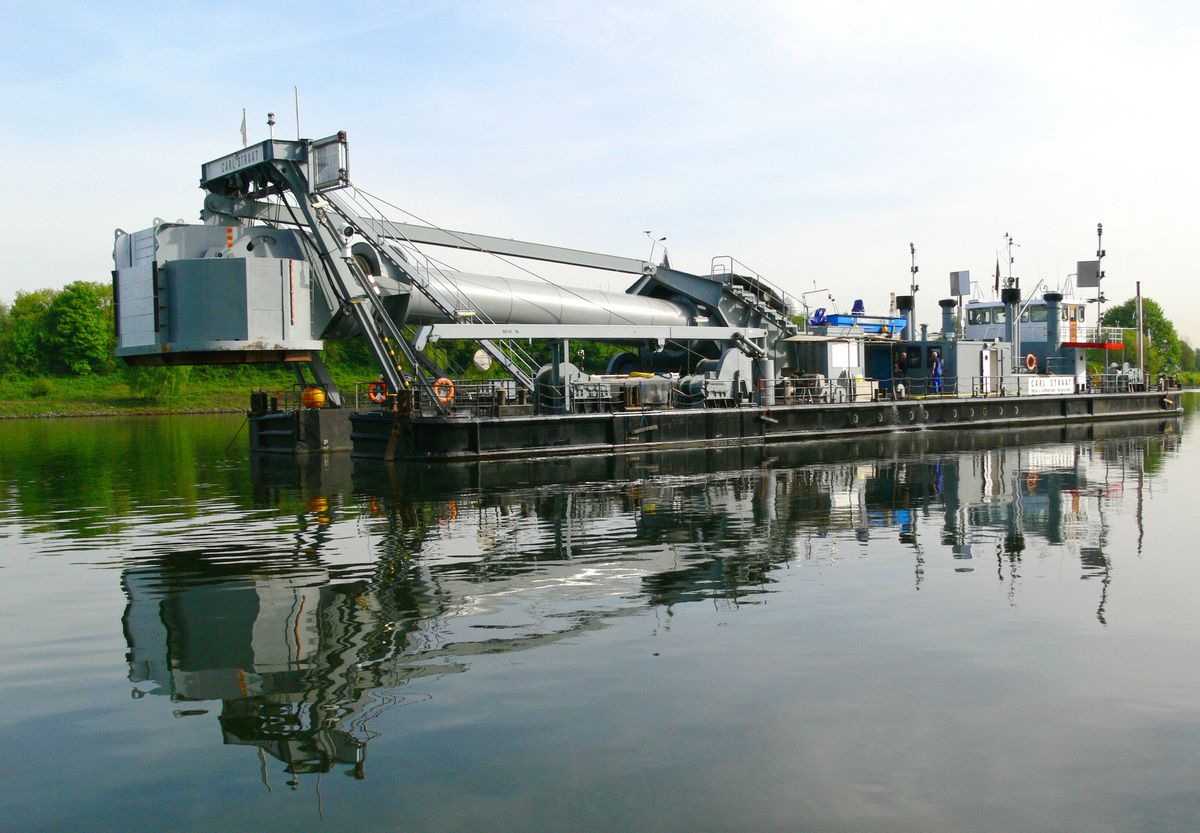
[(245, 134)]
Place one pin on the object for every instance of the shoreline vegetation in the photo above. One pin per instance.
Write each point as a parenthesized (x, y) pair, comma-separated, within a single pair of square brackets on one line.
[(174, 391)]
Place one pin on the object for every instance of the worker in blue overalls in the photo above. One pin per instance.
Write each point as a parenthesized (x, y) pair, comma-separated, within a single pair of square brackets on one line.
[(937, 372)]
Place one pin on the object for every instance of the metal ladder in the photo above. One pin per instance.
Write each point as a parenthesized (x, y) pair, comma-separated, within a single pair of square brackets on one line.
[(514, 360)]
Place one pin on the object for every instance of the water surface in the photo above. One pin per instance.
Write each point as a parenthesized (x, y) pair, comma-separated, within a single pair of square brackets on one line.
[(959, 631)]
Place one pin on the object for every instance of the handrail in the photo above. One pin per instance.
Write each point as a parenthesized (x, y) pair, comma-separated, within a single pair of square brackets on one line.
[(718, 268), (462, 397), (278, 399), (1114, 382), (924, 385), (490, 397), (1093, 334)]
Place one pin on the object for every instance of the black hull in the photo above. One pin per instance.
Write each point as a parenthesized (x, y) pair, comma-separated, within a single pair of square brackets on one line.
[(391, 437)]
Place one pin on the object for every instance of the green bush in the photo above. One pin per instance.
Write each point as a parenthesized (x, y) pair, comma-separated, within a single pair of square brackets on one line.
[(149, 383)]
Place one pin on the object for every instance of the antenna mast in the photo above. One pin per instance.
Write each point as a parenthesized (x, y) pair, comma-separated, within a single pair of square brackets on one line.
[(1009, 242), (1100, 292)]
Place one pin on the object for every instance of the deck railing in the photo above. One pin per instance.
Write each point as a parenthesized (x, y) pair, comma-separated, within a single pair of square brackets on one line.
[(919, 385), (1092, 334), (1115, 381), (278, 399), (496, 397), (465, 397)]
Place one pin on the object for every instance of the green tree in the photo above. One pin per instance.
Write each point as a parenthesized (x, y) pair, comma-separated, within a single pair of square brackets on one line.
[(6, 325), (78, 329), (23, 343), (1162, 346), (1187, 356), (352, 353)]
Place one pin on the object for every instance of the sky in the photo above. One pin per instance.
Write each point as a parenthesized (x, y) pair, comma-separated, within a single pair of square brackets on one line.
[(812, 141)]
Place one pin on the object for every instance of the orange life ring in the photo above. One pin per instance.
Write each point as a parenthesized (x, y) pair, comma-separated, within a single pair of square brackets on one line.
[(1031, 480), (1031, 362), (378, 391), (443, 389)]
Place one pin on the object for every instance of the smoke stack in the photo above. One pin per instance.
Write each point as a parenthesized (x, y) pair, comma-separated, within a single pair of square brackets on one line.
[(948, 327), (1011, 296), (904, 305)]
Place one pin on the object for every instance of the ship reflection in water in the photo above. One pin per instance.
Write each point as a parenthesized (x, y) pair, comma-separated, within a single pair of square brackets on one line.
[(306, 632)]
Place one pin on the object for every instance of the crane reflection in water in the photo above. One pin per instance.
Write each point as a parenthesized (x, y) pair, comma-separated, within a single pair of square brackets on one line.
[(314, 623)]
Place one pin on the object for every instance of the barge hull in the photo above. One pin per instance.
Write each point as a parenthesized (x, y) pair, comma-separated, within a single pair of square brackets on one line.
[(387, 436), (304, 431)]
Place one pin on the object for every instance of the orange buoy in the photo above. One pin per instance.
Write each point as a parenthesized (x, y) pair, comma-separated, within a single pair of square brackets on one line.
[(313, 397), (378, 391)]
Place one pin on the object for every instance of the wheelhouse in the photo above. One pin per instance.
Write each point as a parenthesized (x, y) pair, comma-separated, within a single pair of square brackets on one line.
[(987, 319)]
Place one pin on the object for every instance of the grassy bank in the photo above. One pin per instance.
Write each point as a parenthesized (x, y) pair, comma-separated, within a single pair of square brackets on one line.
[(217, 390)]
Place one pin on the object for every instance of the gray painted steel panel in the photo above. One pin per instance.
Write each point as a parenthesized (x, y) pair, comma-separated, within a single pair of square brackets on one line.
[(135, 300), (256, 300)]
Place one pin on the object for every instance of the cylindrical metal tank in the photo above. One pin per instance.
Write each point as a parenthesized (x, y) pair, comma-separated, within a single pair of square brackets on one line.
[(503, 300)]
